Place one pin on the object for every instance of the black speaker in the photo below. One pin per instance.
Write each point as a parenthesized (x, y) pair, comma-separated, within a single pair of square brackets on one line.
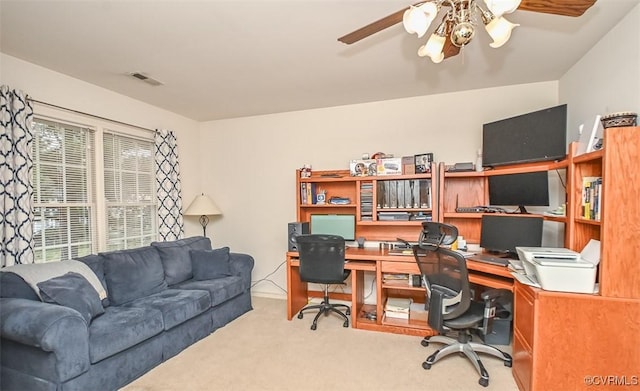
[(294, 230)]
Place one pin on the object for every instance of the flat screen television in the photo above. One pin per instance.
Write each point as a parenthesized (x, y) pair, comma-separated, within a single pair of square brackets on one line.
[(532, 137), (527, 189), (501, 234), (341, 225)]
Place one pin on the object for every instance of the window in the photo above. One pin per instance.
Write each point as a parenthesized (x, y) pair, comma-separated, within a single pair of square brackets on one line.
[(63, 191), (129, 186), (94, 188)]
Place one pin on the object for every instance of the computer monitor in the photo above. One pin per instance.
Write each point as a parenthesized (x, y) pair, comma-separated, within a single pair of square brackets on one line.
[(342, 225), (501, 234), (527, 189)]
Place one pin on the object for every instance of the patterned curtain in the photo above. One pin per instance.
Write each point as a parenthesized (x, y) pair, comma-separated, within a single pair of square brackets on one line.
[(16, 189), (170, 226)]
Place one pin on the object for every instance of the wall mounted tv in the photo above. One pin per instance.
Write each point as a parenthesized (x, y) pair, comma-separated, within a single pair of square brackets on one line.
[(527, 189), (532, 137)]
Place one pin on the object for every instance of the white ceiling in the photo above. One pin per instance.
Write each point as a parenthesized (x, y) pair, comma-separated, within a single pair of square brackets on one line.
[(226, 59)]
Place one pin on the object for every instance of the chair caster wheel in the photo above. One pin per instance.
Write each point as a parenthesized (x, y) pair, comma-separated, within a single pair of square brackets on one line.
[(300, 315), (508, 364), (314, 326), (424, 342), (345, 324), (426, 365), (483, 382)]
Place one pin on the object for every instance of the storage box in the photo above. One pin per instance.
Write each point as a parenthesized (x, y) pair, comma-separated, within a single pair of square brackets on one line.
[(408, 165), (362, 167), (389, 166)]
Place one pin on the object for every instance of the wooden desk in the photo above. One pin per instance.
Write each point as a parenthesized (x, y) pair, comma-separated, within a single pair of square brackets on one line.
[(378, 261)]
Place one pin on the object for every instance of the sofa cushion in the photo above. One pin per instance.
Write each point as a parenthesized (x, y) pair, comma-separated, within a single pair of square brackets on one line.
[(176, 305), (120, 328), (220, 289), (96, 263), (175, 257), (13, 286), (74, 291), (132, 274), (210, 264)]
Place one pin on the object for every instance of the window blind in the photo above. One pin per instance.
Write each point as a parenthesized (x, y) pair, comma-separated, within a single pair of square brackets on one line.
[(64, 191), (129, 186)]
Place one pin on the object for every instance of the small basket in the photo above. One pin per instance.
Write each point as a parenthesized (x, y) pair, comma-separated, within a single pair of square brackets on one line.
[(619, 119)]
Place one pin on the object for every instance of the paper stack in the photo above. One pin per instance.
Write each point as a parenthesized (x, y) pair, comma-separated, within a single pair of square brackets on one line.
[(397, 307)]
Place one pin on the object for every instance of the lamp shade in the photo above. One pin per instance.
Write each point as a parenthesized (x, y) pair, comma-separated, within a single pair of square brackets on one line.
[(416, 20), (500, 30), (500, 7), (202, 205)]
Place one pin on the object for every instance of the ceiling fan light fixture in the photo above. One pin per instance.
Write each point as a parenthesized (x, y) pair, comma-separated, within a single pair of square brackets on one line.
[(501, 7), (500, 30), (462, 33), (416, 20), (435, 44)]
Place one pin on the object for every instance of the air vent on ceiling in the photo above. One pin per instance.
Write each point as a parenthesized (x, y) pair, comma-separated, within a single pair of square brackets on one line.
[(146, 79)]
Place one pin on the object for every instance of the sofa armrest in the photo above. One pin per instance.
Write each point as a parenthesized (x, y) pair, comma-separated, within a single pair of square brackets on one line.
[(48, 327), (242, 265)]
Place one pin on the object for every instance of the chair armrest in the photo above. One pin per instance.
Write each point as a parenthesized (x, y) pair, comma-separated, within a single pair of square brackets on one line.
[(493, 294), (50, 328), (242, 265)]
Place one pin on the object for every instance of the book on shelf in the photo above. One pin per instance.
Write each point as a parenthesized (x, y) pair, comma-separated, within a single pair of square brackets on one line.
[(308, 193), (395, 277), (591, 197)]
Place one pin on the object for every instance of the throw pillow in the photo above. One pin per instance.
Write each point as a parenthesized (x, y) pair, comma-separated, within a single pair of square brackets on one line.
[(74, 291), (210, 264)]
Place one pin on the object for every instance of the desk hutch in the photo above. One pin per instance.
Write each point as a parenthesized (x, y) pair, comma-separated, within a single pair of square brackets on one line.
[(559, 338)]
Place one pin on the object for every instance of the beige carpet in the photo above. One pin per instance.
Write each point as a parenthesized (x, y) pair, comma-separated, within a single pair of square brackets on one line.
[(263, 351)]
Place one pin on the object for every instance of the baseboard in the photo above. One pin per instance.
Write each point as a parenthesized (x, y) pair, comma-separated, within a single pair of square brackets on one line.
[(269, 295)]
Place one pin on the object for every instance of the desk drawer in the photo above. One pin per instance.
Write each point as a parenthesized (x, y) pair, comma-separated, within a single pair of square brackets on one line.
[(410, 267), (522, 364), (524, 314)]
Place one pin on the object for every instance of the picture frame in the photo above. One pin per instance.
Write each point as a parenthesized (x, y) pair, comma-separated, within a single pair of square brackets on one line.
[(588, 138), (423, 162)]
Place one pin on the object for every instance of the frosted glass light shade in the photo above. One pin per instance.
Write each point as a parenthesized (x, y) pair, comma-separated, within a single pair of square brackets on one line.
[(433, 48), (416, 20), (202, 205), (500, 30), (501, 7)]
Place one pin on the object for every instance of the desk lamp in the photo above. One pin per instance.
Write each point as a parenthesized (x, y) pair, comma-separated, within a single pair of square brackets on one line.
[(204, 207)]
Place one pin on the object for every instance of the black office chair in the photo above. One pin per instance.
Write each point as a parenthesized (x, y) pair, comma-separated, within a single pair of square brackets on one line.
[(451, 307), (322, 262)]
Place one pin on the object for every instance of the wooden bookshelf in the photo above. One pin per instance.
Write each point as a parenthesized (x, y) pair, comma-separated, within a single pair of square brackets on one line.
[(561, 338)]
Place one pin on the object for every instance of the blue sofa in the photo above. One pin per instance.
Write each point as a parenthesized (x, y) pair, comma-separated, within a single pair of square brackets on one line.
[(159, 300)]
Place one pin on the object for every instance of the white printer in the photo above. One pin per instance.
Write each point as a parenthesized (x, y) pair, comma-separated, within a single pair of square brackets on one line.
[(558, 269)]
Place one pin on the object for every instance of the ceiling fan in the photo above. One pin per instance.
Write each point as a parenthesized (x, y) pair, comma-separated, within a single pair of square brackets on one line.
[(459, 21)]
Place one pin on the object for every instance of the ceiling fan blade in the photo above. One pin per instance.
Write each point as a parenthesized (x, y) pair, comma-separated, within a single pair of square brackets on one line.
[(449, 49), (373, 28), (557, 7)]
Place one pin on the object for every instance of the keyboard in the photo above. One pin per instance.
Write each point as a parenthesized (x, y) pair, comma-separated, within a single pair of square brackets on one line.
[(490, 259)]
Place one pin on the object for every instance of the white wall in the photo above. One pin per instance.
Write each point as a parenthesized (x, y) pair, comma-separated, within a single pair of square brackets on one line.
[(607, 78), (249, 163), (48, 86)]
